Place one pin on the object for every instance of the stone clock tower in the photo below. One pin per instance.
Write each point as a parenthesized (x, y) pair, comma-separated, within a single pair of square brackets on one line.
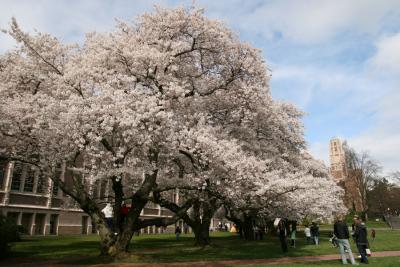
[(338, 160)]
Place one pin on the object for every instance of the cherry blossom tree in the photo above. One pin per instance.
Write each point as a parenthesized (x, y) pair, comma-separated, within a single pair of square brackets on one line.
[(123, 106), (173, 101)]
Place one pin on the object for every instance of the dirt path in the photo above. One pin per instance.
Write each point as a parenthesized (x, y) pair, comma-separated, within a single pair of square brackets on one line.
[(224, 263)]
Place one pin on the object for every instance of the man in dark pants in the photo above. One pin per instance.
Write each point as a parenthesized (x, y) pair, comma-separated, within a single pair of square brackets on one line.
[(360, 237), (282, 235), (315, 233)]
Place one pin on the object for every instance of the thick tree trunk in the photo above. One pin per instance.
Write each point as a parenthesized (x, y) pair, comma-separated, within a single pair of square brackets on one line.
[(235, 217), (200, 220), (107, 238), (111, 244), (116, 246), (202, 233), (248, 230)]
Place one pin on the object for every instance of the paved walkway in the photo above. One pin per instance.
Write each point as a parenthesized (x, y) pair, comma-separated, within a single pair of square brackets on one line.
[(224, 263)]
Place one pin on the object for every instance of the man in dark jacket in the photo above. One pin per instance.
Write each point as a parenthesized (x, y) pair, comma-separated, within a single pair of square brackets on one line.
[(360, 237), (282, 235), (315, 233), (341, 231), (178, 232)]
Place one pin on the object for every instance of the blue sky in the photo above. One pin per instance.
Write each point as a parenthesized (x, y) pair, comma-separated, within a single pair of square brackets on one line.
[(337, 60)]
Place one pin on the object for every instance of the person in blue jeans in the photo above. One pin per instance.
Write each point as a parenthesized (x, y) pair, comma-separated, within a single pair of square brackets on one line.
[(341, 231)]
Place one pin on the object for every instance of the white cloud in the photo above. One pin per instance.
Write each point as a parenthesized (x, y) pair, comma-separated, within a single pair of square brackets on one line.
[(320, 150), (313, 21), (382, 139), (366, 88), (387, 58), (351, 96), (67, 20)]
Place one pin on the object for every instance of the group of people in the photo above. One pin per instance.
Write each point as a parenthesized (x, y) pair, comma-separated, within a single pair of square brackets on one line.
[(286, 229), (359, 233), (312, 234), (223, 227), (108, 212), (340, 237)]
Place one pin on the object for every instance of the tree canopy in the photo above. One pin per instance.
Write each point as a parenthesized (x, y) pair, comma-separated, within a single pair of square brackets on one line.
[(171, 101)]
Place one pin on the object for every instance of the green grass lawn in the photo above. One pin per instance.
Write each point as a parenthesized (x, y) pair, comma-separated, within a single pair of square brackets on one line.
[(370, 224), (378, 262), (164, 248)]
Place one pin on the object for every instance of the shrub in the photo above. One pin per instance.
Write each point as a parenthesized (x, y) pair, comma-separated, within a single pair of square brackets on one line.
[(9, 233)]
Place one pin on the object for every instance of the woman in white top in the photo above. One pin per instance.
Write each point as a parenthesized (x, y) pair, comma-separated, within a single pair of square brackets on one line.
[(307, 233), (108, 214)]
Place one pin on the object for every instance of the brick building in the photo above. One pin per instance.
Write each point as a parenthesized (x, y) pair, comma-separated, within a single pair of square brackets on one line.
[(43, 209), (345, 177)]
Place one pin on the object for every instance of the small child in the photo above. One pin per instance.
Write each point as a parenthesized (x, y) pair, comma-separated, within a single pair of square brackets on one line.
[(334, 240)]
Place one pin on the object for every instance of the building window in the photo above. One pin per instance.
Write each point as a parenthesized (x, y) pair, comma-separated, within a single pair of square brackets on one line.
[(103, 189), (53, 224), (41, 183), (55, 190), (95, 189), (29, 179), (17, 176), (94, 229), (57, 176), (3, 168)]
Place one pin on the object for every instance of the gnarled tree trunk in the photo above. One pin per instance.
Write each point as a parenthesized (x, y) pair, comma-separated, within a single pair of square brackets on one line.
[(202, 234), (247, 225), (200, 221)]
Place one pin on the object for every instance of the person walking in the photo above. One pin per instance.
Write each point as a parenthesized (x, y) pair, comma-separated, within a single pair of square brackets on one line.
[(307, 233), (178, 232), (360, 237), (341, 231), (282, 236), (315, 233)]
